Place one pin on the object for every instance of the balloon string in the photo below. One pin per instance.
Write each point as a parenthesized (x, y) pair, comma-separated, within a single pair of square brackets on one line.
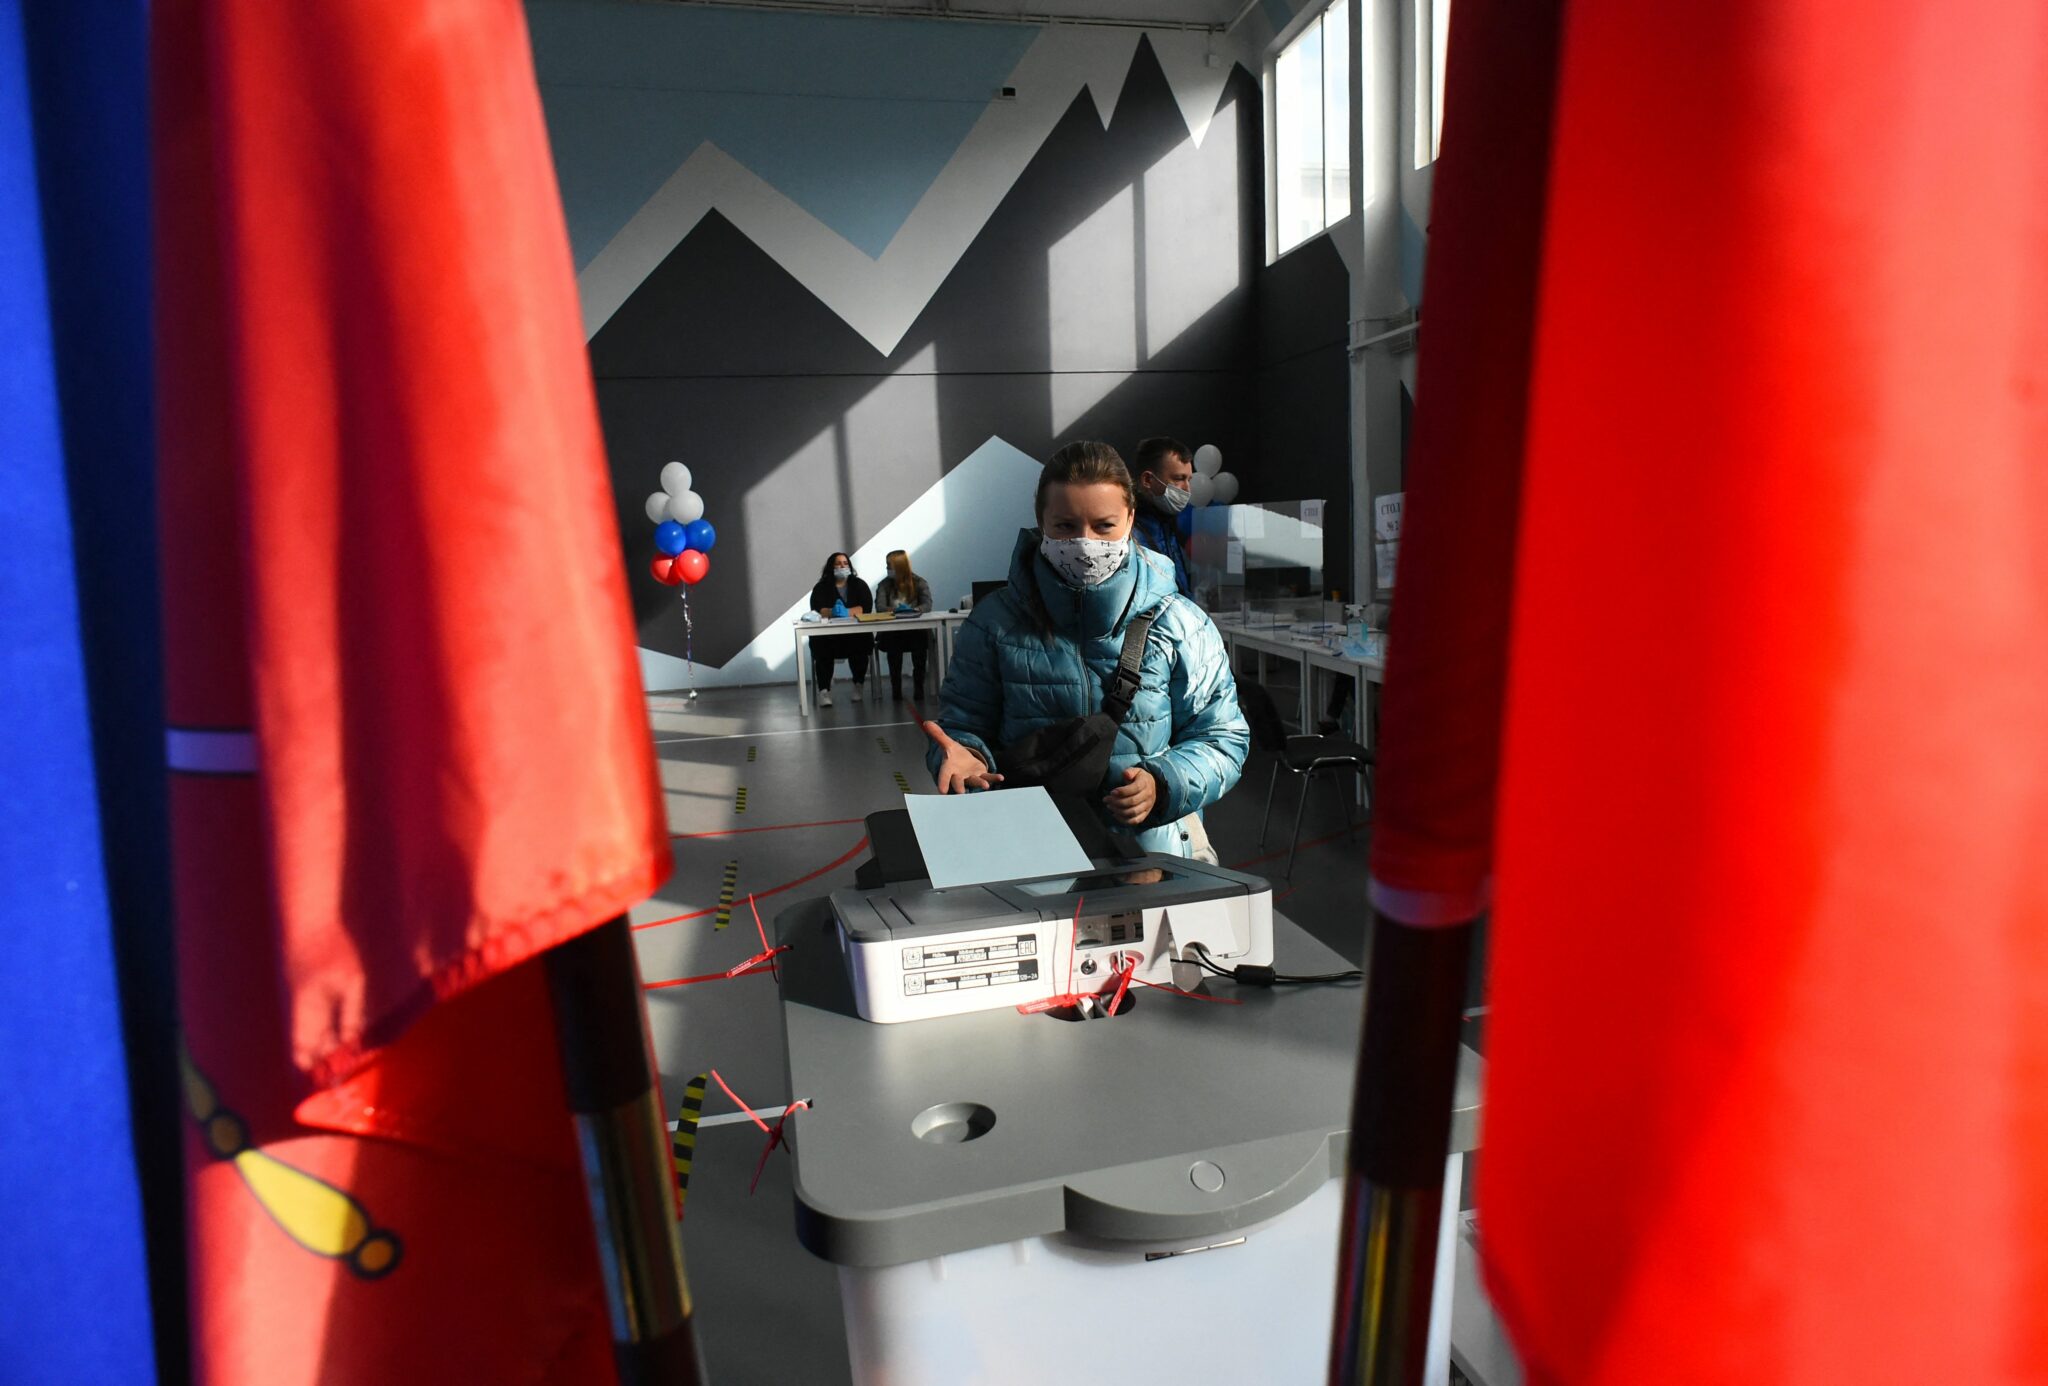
[(689, 641)]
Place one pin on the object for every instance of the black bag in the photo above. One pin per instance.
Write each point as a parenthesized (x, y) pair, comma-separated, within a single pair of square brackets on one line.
[(1072, 757)]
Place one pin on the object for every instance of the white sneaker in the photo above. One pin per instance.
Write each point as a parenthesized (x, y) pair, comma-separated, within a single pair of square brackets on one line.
[(824, 697), (858, 689)]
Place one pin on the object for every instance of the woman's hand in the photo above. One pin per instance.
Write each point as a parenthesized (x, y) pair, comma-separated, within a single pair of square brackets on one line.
[(962, 769), (1132, 801)]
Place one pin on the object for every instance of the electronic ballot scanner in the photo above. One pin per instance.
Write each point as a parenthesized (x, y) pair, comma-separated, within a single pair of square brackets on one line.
[(916, 951)]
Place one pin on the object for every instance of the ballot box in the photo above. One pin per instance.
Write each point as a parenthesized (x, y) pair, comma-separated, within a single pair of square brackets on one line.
[(1149, 1197)]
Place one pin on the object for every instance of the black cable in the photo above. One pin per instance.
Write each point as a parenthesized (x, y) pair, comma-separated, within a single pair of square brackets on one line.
[(1246, 974)]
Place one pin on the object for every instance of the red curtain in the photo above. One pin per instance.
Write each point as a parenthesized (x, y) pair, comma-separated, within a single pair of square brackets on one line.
[(1768, 1093), (406, 720)]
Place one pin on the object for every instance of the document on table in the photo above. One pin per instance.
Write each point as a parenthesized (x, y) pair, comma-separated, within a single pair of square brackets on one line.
[(997, 835)]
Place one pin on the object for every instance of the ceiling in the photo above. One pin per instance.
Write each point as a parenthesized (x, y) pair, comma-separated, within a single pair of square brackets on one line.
[(1150, 14)]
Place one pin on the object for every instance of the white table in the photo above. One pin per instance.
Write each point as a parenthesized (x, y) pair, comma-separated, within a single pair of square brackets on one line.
[(1273, 642), (1309, 657), (940, 623), (1361, 671)]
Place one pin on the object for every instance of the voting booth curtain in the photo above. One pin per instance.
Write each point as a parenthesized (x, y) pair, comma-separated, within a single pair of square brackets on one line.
[(408, 746), (80, 764), (1770, 930)]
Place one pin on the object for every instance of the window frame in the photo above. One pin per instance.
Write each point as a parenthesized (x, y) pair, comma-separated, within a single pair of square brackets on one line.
[(1432, 41), (1294, 34)]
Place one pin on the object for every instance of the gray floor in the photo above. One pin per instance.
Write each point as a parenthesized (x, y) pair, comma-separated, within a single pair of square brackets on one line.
[(769, 1312)]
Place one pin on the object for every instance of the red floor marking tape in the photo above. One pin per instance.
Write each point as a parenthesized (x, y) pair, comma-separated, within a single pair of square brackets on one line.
[(768, 950), (836, 862), (759, 965)]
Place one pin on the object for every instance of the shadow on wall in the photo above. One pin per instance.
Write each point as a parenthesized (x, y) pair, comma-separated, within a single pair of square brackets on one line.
[(1108, 295)]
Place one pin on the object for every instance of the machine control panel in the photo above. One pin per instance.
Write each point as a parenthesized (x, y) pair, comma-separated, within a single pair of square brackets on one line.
[(916, 952), (921, 983), (955, 954), (1111, 930), (992, 962)]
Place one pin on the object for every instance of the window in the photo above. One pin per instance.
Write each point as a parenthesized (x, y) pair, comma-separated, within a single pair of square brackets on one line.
[(1432, 38), (1310, 83)]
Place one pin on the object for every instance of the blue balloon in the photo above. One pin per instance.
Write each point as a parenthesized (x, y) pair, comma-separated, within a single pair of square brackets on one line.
[(702, 535), (671, 538)]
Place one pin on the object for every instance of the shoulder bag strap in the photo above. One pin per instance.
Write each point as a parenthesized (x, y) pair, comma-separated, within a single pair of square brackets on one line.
[(1125, 682)]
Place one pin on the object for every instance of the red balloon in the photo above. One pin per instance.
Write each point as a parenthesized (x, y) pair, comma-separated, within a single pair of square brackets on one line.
[(692, 565), (665, 571)]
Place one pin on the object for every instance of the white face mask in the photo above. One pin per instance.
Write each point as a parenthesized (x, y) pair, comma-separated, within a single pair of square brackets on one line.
[(842, 573), (1173, 499), (1085, 562)]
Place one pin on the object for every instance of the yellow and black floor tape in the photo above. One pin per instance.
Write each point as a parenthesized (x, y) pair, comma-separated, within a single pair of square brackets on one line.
[(883, 742), (750, 755), (739, 800), (725, 890), (902, 783), (682, 1146)]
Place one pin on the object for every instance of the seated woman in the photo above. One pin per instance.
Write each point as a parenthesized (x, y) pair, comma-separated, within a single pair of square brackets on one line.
[(903, 591), (1045, 649), (840, 592)]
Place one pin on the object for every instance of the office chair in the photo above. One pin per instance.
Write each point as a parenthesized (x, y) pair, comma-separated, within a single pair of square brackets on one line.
[(1304, 756)]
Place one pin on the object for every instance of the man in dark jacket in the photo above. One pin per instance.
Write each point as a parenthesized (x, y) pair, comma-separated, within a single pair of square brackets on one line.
[(1166, 472)]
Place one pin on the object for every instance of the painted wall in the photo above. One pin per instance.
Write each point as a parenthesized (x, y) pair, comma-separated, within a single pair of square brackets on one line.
[(861, 296), (1303, 449)]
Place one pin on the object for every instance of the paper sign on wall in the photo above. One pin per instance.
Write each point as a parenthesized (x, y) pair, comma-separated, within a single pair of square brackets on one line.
[(1386, 552), (1233, 556), (1312, 512), (1386, 519)]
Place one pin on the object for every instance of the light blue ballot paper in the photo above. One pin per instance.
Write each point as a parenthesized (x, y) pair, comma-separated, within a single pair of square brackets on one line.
[(998, 835)]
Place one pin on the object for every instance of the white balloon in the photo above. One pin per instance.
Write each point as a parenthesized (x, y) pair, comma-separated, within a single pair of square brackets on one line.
[(675, 479), (1201, 490), (1226, 488), (657, 506), (1208, 459), (686, 507)]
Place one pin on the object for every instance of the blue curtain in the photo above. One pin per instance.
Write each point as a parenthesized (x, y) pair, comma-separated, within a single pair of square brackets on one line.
[(88, 1139)]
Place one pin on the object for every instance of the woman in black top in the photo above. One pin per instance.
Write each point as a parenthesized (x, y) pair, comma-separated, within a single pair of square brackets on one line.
[(838, 585)]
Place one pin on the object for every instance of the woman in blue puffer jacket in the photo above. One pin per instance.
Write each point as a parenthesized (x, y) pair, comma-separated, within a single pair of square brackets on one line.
[(1043, 650)]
